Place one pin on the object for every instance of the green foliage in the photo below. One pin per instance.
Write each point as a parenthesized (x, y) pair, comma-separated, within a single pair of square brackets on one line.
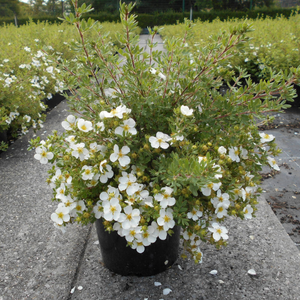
[(169, 17), (9, 8), (23, 66), (274, 43)]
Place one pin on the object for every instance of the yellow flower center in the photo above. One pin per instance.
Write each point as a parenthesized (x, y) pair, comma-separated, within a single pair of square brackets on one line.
[(83, 127), (60, 215), (167, 219)]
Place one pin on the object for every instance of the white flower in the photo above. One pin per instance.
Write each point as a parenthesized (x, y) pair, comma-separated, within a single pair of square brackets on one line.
[(234, 154), (97, 209), (27, 49), (160, 140), (128, 183), (206, 190), (166, 219), (79, 151), (100, 126), (128, 126), (221, 210), (120, 155), (111, 209), (104, 115), (221, 198), (272, 163), (69, 123), (27, 118), (61, 215), (69, 202), (116, 112), (87, 173), (94, 147), (186, 111), (149, 236), (110, 193), (246, 59), (106, 171), (84, 125), (158, 231), (162, 76), (266, 137), (247, 192), (152, 71), (133, 233), (222, 150), (49, 70), (248, 210), (60, 192), (165, 198), (243, 153), (218, 232), (131, 218), (194, 214), (138, 245), (79, 208), (43, 155), (94, 181)]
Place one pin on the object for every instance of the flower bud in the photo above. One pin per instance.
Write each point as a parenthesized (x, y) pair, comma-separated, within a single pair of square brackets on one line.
[(197, 227), (86, 215), (145, 178)]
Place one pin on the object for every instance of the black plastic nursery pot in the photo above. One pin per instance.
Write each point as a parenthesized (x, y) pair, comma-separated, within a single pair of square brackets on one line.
[(3, 136), (121, 259), (54, 101)]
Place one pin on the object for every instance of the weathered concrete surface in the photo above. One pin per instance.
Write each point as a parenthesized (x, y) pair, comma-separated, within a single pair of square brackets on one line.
[(260, 244), (37, 261)]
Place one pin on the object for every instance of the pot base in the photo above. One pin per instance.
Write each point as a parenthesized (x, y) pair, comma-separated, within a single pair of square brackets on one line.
[(121, 259)]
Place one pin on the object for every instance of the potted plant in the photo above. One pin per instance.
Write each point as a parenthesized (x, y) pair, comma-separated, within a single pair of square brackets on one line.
[(152, 143)]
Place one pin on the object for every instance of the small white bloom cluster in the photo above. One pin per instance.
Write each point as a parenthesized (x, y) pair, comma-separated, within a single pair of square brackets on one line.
[(123, 200), (33, 81)]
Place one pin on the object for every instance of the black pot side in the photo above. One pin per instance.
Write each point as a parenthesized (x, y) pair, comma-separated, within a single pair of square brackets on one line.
[(121, 259), (3, 136)]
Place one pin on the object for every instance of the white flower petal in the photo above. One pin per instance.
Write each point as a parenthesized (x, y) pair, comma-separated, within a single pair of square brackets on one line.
[(167, 291), (252, 272), (213, 272), (157, 283)]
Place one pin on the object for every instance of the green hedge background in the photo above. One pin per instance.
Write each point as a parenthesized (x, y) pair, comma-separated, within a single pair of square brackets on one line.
[(170, 18)]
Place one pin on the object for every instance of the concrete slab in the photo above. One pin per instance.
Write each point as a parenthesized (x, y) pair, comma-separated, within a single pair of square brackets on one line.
[(37, 261), (260, 244), (289, 161)]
